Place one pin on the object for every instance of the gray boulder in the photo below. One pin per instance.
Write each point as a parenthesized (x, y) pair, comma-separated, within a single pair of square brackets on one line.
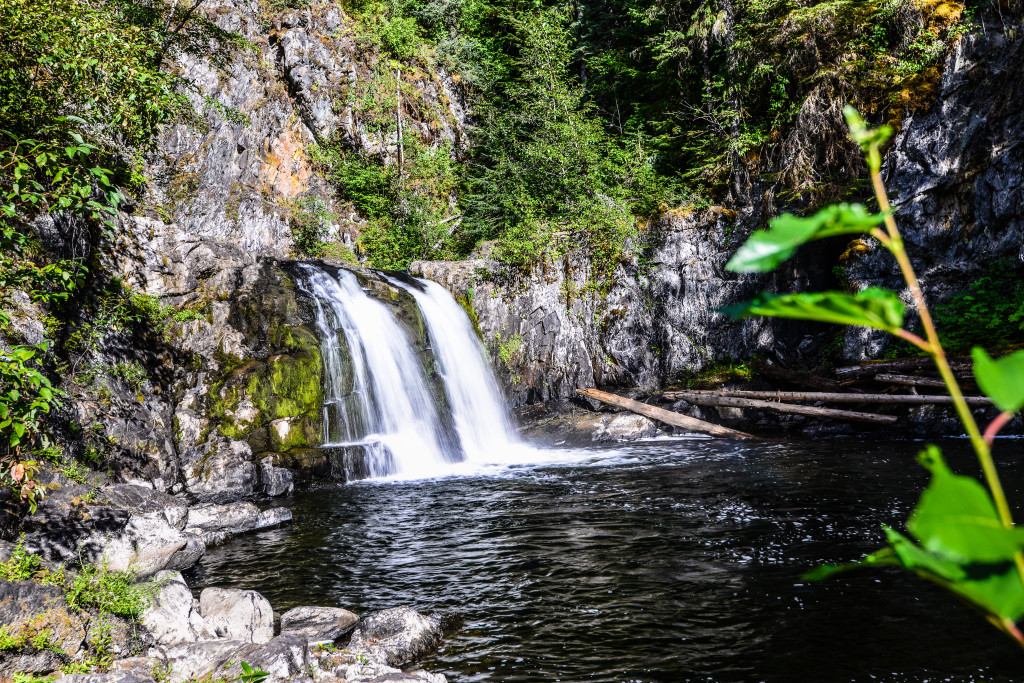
[(318, 624), (240, 615), (118, 677), (188, 556), (195, 660), (214, 523), (135, 528), (225, 471), (286, 657), (396, 636), (170, 616), (276, 481)]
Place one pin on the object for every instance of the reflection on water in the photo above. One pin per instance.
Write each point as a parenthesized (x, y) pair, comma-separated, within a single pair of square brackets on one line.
[(664, 561)]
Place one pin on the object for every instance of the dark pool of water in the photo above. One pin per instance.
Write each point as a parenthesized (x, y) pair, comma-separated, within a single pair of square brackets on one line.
[(665, 561)]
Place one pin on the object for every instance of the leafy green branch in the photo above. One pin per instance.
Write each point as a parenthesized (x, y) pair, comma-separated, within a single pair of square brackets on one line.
[(962, 536)]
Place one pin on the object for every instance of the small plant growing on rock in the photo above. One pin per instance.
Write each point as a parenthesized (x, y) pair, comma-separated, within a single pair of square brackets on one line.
[(961, 534), (252, 675)]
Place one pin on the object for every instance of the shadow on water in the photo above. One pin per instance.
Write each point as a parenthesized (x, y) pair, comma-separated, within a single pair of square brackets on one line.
[(664, 561)]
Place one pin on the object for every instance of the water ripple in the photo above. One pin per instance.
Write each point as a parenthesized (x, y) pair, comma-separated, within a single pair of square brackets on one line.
[(666, 561)]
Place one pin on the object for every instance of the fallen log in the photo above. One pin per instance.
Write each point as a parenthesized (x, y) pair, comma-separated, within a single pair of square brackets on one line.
[(738, 402), (872, 368), (660, 414), (802, 379), (914, 399), (908, 380)]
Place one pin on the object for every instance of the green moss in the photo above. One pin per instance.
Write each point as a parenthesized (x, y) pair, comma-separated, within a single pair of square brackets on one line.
[(466, 302), (286, 386)]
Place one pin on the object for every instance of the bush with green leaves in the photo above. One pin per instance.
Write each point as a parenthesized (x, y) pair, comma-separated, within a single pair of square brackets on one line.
[(961, 534), (84, 89)]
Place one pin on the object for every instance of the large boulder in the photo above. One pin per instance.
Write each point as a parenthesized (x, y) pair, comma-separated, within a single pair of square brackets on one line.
[(318, 624), (114, 677), (240, 615), (195, 660), (396, 636), (334, 665), (285, 658), (171, 616), (135, 528), (214, 523)]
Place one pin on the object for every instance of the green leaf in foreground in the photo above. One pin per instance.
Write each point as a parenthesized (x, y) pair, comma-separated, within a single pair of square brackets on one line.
[(872, 307), (764, 250), (964, 548), (957, 520), (1002, 380)]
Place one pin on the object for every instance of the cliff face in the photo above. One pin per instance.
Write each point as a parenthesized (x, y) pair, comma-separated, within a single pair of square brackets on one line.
[(218, 396), (653, 322), (304, 81), (954, 171)]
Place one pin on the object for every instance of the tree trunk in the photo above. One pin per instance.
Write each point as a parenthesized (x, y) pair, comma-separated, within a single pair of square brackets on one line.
[(662, 415)]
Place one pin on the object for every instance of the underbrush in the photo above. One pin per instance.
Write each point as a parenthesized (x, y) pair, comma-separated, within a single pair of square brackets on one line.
[(94, 586)]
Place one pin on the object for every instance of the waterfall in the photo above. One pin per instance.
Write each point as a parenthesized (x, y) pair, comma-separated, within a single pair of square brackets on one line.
[(377, 397), (478, 408), (375, 393)]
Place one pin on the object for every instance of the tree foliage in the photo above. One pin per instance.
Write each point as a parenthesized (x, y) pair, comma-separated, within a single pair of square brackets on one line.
[(84, 88)]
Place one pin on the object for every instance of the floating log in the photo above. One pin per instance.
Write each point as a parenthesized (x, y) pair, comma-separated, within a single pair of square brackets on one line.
[(911, 381), (660, 414), (914, 399), (709, 399), (901, 365)]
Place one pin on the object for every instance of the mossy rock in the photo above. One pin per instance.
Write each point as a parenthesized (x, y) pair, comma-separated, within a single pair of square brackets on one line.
[(274, 404)]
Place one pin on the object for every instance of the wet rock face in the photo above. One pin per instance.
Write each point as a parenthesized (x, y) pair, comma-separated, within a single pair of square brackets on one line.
[(954, 172)]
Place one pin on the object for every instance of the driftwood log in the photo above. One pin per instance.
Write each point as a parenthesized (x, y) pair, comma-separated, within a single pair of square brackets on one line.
[(715, 399), (911, 381), (802, 379), (901, 365), (660, 414), (824, 397)]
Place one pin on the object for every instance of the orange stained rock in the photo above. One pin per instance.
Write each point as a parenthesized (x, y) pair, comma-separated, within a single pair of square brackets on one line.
[(285, 169)]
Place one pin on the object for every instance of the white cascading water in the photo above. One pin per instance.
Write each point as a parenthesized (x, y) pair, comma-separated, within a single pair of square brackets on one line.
[(478, 408), (385, 407)]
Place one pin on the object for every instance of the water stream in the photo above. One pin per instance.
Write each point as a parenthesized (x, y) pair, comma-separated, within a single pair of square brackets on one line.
[(478, 408), (657, 562)]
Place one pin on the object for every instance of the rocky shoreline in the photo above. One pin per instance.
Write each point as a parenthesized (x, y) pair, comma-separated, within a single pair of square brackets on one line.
[(83, 539)]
